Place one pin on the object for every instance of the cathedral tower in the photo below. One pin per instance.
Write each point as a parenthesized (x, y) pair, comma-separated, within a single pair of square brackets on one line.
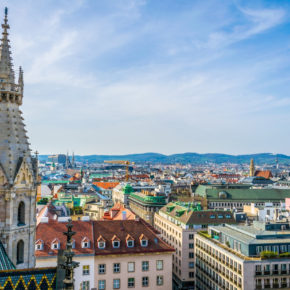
[(18, 169), (252, 168)]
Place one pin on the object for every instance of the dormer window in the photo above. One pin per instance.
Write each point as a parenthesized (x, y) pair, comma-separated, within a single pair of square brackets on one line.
[(101, 245), (143, 241), (39, 245), (130, 243), (85, 243), (115, 242), (55, 244), (101, 242)]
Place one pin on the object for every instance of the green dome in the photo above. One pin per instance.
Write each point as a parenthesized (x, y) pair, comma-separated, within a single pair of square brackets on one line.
[(127, 189)]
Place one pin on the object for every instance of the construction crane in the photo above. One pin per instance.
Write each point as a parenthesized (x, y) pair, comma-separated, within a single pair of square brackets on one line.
[(123, 162)]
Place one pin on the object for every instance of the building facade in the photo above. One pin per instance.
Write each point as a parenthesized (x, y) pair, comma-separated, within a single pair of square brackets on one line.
[(145, 204), (178, 223), (112, 254), (18, 169), (243, 257)]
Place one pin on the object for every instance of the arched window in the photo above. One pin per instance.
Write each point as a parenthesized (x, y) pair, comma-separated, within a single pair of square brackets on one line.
[(21, 214), (20, 252)]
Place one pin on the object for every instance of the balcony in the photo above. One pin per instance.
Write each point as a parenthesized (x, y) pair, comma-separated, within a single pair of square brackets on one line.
[(276, 285), (275, 272), (267, 286), (259, 287), (284, 285), (258, 273), (283, 272), (266, 272)]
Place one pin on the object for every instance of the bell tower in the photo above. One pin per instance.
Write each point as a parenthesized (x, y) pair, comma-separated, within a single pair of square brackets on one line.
[(252, 168), (18, 169)]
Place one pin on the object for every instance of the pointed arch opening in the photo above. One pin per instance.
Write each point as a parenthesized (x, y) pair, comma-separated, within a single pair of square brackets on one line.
[(21, 214), (20, 252)]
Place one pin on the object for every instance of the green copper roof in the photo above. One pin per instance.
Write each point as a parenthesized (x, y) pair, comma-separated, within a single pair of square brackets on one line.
[(54, 181), (149, 199), (127, 189), (241, 193), (5, 262)]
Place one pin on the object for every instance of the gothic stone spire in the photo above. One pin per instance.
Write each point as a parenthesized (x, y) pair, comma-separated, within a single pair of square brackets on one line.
[(14, 146)]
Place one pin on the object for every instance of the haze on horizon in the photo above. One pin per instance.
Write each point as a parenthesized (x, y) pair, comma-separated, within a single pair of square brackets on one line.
[(129, 76)]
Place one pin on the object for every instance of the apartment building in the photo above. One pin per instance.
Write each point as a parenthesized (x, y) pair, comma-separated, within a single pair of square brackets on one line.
[(243, 257), (112, 254), (178, 223)]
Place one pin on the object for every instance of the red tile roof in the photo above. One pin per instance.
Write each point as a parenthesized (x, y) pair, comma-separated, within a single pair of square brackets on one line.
[(48, 232), (103, 231), (107, 229), (106, 185), (264, 173)]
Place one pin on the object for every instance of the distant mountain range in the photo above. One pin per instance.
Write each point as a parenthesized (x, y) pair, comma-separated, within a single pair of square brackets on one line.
[(194, 158)]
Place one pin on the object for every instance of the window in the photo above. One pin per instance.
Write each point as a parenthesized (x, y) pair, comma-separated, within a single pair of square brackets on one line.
[(191, 274), (190, 255), (131, 282), (159, 280), (190, 246), (21, 214), (86, 270), (86, 285), (145, 281), (102, 284), (212, 216), (20, 252), (159, 264), (190, 236), (55, 246), (144, 243), (116, 284), (116, 244), (101, 245), (191, 265), (130, 243), (131, 266), (102, 268), (283, 248), (145, 266), (85, 245), (220, 216), (116, 268)]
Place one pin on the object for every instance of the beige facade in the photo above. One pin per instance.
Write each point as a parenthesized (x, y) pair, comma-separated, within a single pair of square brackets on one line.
[(95, 210), (138, 271), (219, 268), (183, 242)]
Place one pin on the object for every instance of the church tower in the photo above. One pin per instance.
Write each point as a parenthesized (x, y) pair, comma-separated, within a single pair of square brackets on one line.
[(18, 169), (252, 168)]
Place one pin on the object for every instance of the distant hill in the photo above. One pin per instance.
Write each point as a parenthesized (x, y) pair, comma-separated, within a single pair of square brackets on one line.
[(193, 158)]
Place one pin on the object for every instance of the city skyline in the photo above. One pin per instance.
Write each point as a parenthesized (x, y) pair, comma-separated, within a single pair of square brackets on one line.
[(115, 77)]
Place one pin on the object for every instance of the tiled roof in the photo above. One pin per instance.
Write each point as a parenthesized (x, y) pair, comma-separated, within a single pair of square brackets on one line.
[(48, 232), (116, 213), (106, 185), (264, 173), (135, 229), (5, 262), (103, 231), (200, 217)]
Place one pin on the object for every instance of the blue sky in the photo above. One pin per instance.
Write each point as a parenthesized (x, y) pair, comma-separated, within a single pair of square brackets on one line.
[(128, 76)]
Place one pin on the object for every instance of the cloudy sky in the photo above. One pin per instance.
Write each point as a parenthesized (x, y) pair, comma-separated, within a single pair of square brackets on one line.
[(167, 76)]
